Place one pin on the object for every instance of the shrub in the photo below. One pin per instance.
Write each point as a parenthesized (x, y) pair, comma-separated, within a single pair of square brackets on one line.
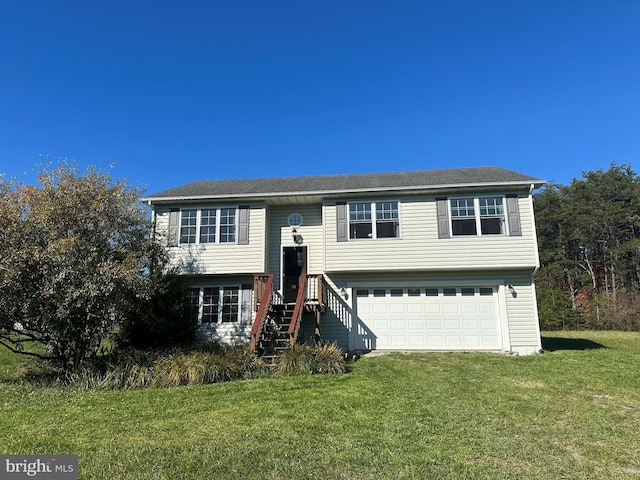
[(608, 312), (159, 318)]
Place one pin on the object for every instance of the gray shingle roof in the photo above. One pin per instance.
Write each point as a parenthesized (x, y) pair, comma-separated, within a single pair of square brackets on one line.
[(335, 184)]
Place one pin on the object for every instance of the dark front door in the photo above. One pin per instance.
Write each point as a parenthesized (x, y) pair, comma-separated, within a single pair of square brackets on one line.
[(294, 264)]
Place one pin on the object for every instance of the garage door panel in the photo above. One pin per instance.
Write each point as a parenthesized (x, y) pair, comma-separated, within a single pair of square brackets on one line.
[(453, 341), (472, 342), (416, 324), (489, 323), (489, 340), (414, 308), (398, 308), (469, 308), (433, 319), (399, 324), (364, 309), (379, 308), (450, 308), (434, 324), (398, 341), (471, 324), (381, 325), (488, 308), (452, 324), (432, 308)]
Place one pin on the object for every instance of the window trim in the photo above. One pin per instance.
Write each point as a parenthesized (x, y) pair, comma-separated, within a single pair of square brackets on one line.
[(478, 217), (218, 209), (373, 221)]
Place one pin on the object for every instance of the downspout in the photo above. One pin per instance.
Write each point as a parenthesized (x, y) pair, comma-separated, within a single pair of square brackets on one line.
[(533, 228)]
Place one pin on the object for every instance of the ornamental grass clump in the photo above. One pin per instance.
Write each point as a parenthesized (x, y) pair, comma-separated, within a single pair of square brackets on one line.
[(196, 368), (303, 359), (148, 368), (329, 359), (210, 363), (119, 370)]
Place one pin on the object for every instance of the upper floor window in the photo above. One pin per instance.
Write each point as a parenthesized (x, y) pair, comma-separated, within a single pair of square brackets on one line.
[(188, 226), (208, 225), (477, 214), (374, 220)]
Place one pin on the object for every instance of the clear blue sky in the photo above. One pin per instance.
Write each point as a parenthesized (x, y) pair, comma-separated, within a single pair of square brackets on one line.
[(175, 91)]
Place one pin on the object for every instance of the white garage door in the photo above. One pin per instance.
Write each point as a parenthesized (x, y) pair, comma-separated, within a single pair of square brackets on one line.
[(461, 318)]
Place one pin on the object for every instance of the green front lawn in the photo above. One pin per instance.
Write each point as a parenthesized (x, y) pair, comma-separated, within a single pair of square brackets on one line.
[(573, 412)]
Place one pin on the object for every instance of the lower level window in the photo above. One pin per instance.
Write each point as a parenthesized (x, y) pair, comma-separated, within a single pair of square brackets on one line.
[(214, 304)]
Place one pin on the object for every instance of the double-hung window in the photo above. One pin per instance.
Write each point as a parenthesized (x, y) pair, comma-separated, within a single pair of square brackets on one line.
[(463, 216), (227, 225), (208, 225), (477, 215), (491, 215), (208, 222), (374, 220), (214, 305), (188, 226)]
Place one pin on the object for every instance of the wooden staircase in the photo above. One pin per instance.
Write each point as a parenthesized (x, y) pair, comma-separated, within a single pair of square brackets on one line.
[(277, 325), (275, 337)]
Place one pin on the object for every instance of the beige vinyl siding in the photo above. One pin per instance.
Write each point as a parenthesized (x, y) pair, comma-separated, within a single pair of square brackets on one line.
[(420, 248), (215, 259), (524, 332), (279, 235)]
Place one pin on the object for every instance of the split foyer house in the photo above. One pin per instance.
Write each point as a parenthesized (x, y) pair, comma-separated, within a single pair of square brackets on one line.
[(419, 260)]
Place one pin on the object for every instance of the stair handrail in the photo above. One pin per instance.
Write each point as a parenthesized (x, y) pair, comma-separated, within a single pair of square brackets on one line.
[(296, 319), (265, 305)]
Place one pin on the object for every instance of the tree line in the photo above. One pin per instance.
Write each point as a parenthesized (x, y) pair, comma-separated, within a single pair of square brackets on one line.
[(589, 244)]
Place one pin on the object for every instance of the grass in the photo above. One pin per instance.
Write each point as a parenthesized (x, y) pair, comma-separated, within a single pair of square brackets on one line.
[(571, 413)]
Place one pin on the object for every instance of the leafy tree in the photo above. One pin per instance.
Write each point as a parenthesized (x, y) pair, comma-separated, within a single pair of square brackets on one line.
[(76, 249)]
